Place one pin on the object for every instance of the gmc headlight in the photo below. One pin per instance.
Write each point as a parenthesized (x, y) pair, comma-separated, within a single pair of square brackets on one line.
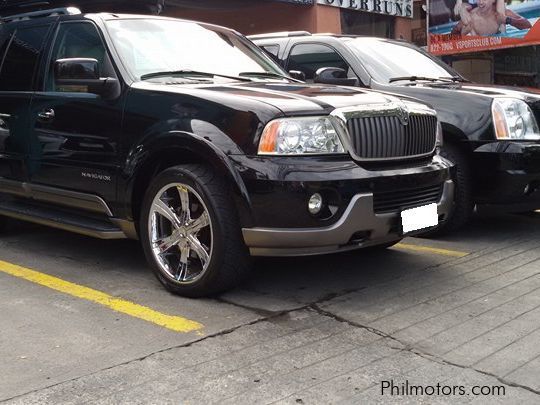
[(514, 119), (300, 136)]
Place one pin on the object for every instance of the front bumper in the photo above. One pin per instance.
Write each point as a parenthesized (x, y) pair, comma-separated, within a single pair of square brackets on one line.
[(508, 176), (359, 226)]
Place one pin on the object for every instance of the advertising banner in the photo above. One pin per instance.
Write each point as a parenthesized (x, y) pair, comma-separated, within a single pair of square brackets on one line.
[(458, 26)]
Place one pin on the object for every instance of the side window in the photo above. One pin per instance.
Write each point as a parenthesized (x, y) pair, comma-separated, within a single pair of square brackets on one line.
[(22, 58), (78, 40), (309, 58), (272, 51)]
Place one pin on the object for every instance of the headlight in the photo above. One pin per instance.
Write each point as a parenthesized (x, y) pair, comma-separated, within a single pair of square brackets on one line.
[(299, 136), (513, 119)]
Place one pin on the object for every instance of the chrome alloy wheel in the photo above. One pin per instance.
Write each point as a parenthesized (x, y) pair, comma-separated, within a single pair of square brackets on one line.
[(180, 233)]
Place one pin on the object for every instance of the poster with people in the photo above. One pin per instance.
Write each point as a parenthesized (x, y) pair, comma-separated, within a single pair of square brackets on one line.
[(459, 26)]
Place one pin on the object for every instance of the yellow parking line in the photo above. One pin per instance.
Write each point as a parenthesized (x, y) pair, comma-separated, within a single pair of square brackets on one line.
[(175, 323), (426, 249)]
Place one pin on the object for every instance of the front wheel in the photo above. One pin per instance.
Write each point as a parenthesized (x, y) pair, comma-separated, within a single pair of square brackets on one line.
[(3, 223), (463, 206), (191, 234)]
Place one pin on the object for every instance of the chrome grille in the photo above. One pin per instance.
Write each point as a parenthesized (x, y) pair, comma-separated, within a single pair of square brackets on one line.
[(383, 137), (392, 201)]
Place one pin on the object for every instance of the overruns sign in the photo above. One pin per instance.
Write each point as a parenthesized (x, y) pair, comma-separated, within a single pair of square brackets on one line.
[(398, 8)]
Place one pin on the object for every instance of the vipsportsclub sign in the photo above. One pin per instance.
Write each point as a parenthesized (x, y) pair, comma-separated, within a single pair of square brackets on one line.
[(459, 26)]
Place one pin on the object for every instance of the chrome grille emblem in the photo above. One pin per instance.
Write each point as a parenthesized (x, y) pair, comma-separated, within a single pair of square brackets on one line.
[(403, 114)]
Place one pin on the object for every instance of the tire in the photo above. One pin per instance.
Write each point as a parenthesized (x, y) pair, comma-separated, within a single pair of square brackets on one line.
[(191, 234), (463, 206), (3, 223)]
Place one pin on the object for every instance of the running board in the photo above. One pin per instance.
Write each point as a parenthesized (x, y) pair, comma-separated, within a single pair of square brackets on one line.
[(101, 228)]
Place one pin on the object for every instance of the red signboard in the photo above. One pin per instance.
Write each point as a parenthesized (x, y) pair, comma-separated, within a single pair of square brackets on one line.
[(457, 26)]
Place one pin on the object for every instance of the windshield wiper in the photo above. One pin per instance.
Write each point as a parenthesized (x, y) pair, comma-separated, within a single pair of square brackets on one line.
[(448, 79), (457, 79), (186, 72), (268, 74), (413, 79)]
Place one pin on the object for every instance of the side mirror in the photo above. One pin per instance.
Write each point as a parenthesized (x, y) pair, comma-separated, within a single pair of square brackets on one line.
[(332, 75), (82, 75), (76, 69), (298, 75)]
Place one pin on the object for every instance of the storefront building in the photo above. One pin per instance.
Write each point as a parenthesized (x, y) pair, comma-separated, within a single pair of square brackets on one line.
[(403, 19)]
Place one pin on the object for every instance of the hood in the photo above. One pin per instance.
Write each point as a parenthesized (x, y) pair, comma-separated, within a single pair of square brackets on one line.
[(489, 91), (290, 98), (465, 106)]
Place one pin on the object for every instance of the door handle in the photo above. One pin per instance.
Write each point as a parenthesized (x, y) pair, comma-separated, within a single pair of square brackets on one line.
[(46, 115)]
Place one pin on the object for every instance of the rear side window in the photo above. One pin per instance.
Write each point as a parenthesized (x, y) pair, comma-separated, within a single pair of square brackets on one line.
[(309, 58), (22, 58), (272, 51)]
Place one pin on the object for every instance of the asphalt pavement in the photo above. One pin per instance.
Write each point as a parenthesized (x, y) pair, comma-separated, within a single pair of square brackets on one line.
[(452, 320)]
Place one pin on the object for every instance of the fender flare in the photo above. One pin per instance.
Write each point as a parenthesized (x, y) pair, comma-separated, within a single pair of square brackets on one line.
[(146, 154)]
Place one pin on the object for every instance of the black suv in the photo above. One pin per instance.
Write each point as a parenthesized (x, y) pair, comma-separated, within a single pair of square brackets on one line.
[(490, 132), (189, 138)]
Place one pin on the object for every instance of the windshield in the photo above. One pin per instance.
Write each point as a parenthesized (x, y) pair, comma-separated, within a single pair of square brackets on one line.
[(386, 60), (158, 45)]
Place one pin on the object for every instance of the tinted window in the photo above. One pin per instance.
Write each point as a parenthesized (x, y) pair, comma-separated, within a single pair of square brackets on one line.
[(78, 40), (22, 59), (309, 58)]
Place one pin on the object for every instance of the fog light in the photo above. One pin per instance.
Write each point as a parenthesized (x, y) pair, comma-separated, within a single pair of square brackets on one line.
[(315, 204)]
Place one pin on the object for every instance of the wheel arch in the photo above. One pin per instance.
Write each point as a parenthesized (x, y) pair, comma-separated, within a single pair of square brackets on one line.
[(149, 158)]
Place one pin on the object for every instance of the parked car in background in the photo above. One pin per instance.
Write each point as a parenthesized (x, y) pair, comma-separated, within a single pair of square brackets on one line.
[(490, 132), (122, 126)]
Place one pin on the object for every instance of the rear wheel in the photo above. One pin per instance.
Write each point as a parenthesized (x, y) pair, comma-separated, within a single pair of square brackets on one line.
[(190, 232)]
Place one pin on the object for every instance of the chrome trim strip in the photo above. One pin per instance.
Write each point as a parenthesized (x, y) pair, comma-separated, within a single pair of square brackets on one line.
[(89, 202), (73, 199)]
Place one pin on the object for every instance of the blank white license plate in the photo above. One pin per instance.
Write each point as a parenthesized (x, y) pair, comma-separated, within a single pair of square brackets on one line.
[(419, 218)]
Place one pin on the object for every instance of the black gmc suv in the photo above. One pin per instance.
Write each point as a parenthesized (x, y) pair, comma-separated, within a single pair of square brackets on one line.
[(490, 133), (188, 137)]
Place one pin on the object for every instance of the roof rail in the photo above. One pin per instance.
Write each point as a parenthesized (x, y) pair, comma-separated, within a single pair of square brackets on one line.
[(41, 13), (280, 34)]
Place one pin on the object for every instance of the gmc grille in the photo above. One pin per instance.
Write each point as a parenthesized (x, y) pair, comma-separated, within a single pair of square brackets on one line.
[(386, 137), (392, 201)]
